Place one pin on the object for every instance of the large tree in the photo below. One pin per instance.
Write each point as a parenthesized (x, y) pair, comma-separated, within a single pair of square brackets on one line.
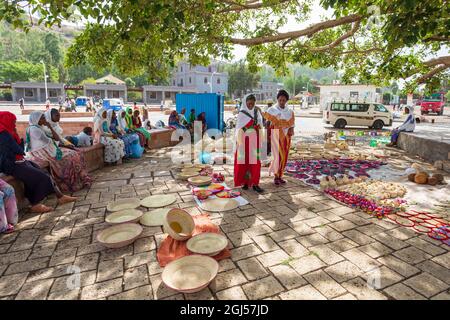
[(370, 40), (240, 79)]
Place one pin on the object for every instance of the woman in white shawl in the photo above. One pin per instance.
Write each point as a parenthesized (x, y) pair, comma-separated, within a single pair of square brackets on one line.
[(282, 121), (118, 127), (67, 167), (52, 116), (247, 163), (114, 147)]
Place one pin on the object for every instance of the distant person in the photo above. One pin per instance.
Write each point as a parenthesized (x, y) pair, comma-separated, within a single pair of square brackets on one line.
[(182, 117), (162, 105), (73, 106), (135, 106), (408, 126), (202, 117), (47, 104), (21, 104), (174, 121), (191, 117), (89, 106), (83, 139)]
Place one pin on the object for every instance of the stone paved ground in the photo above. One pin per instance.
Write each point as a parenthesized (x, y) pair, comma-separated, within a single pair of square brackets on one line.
[(289, 243)]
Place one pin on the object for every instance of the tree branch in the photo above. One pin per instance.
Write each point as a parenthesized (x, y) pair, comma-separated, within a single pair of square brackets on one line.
[(436, 61), (339, 40), (249, 5), (432, 73), (437, 38), (297, 34)]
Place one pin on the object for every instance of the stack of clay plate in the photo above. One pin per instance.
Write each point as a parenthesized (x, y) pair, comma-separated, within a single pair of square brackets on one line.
[(200, 181), (188, 173), (119, 235), (190, 274)]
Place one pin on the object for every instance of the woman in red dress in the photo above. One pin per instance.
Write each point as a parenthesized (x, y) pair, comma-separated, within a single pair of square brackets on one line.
[(247, 164)]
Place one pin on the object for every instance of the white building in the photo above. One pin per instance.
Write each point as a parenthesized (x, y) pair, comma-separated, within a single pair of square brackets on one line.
[(346, 92), (200, 78), (267, 90)]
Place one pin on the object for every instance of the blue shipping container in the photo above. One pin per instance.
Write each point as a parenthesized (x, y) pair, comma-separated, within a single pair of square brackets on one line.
[(210, 103)]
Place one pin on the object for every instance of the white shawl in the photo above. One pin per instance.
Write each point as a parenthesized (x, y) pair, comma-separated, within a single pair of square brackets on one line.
[(98, 121), (243, 119), (38, 138), (281, 113)]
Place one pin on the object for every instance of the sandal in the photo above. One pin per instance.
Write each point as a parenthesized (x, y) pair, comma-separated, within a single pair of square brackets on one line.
[(9, 228)]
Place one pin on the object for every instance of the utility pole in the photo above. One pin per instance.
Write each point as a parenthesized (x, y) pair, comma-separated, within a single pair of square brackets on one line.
[(45, 81)]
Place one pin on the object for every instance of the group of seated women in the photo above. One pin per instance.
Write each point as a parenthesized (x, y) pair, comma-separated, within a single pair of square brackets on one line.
[(121, 134), (179, 120)]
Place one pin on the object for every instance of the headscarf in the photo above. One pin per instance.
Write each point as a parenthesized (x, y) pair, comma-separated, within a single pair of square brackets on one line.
[(99, 120), (173, 117), (243, 119), (129, 118), (8, 124), (122, 120), (109, 114), (36, 137), (55, 125)]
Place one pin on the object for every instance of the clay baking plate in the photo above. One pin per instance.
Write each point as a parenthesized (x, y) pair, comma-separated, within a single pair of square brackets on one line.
[(154, 218), (200, 181), (158, 200), (124, 216), (207, 243), (190, 274), (120, 235), (123, 204)]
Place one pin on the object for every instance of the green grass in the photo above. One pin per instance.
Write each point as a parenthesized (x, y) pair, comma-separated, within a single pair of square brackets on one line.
[(314, 254), (287, 261)]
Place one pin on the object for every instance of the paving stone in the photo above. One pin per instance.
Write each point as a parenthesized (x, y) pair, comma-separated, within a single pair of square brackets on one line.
[(442, 296), (402, 233), (11, 284), (282, 235), (382, 277), (227, 279), (243, 252), (325, 284), (63, 257), (342, 225), (329, 233), (426, 246), (72, 281), (26, 266), (112, 254), (342, 245), (307, 264), (140, 259), (239, 238), (234, 293), (293, 248), (14, 257), (262, 288), (330, 216), (160, 290), (87, 262), (312, 240), (36, 290), (390, 241), (401, 292), (346, 296), (317, 221), (288, 276), (266, 243), (135, 277), (343, 271), (110, 269), (273, 258), (326, 254), (426, 284), (301, 228), (435, 270), (43, 250), (67, 295), (252, 269), (360, 259), (358, 237), (102, 289), (398, 265), (144, 245), (225, 265), (359, 288), (375, 249), (443, 260), (357, 218), (141, 293), (412, 255), (371, 229), (307, 292)]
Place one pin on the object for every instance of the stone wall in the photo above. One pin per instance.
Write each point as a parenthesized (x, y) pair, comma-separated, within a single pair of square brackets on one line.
[(426, 148)]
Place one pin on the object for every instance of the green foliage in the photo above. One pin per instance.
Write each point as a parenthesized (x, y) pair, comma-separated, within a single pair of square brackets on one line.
[(240, 79), (129, 82)]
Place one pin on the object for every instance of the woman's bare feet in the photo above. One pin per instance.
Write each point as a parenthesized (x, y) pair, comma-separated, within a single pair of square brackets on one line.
[(40, 208), (66, 199)]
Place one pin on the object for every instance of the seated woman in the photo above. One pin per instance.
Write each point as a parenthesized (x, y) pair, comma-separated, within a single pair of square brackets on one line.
[(182, 117), (52, 116), (130, 140), (8, 208), (114, 147), (134, 124), (67, 167), (37, 182), (408, 126), (174, 121)]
